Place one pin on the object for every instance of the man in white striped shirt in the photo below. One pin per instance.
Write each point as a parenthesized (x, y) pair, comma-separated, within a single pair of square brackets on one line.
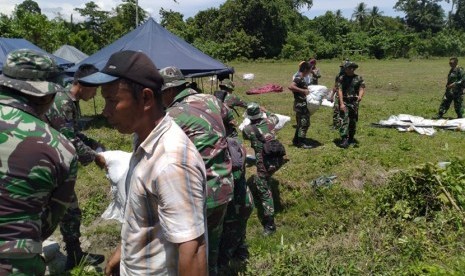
[(164, 228)]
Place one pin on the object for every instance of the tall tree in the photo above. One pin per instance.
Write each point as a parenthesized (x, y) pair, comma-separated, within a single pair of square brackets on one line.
[(94, 21), (374, 18), (28, 6), (422, 15), (126, 13), (360, 14), (458, 19)]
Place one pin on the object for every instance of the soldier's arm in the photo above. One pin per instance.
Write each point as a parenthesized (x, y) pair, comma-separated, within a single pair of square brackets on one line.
[(361, 90), (61, 197), (241, 102), (294, 88)]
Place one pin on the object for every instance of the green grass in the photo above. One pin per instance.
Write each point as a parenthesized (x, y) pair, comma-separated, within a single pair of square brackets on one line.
[(333, 231)]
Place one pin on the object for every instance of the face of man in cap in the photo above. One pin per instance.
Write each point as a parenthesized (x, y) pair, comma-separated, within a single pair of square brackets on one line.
[(122, 109)]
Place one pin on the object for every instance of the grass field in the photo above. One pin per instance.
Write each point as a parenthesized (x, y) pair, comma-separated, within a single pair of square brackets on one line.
[(337, 230)]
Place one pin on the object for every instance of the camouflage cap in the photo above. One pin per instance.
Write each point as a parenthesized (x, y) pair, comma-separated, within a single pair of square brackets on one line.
[(227, 83), (253, 111), (172, 76), (28, 72), (350, 64)]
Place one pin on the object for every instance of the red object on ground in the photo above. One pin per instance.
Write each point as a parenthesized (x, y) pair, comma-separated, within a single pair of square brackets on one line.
[(265, 89)]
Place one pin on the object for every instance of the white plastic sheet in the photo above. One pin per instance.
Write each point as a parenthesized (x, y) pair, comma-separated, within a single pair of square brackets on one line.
[(117, 164), (406, 123)]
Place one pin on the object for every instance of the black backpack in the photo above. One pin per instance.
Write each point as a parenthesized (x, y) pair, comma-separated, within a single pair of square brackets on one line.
[(236, 153), (273, 152)]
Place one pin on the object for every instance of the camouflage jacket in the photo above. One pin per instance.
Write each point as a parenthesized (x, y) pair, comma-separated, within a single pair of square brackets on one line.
[(350, 86), (64, 116), (300, 101), (38, 169), (456, 75), (266, 127), (202, 118)]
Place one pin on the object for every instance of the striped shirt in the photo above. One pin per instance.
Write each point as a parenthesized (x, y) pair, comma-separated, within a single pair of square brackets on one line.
[(165, 201)]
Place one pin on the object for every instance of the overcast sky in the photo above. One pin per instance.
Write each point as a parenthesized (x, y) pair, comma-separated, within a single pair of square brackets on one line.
[(190, 7)]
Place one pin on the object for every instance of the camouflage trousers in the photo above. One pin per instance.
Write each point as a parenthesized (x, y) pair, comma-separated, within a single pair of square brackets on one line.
[(215, 219), (457, 98), (302, 118), (33, 265), (71, 223), (235, 221), (336, 117), (261, 191), (349, 119)]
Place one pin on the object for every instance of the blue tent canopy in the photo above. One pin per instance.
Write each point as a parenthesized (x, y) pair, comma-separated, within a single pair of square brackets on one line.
[(9, 44), (164, 49)]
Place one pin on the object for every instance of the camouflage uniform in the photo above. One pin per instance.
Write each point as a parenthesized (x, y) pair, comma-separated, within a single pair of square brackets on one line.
[(64, 116), (201, 117), (336, 118), (38, 166), (302, 114), (239, 209), (350, 86), (261, 189), (456, 75)]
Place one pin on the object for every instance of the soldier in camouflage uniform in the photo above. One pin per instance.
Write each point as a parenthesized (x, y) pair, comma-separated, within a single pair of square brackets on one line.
[(202, 118), (231, 100), (233, 245), (335, 98), (38, 165), (261, 189), (351, 88), (299, 88), (64, 116), (454, 90), (315, 73)]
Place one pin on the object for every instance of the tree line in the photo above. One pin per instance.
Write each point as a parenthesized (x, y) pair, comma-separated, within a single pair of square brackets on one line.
[(260, 29)]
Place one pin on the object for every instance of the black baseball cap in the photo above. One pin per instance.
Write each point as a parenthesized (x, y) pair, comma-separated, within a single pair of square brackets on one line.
[(132, 65)]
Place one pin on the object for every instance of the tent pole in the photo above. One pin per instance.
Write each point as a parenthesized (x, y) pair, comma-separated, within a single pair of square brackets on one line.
[(137, 13)]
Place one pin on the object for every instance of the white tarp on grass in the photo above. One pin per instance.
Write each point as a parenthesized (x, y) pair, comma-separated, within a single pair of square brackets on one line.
[(406, 122)]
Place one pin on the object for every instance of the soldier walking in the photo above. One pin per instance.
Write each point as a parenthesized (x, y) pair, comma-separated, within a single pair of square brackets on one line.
[(454, 90)]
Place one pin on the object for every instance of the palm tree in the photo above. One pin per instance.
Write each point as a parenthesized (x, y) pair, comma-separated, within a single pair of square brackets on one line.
[(360, 14), (374, 18)]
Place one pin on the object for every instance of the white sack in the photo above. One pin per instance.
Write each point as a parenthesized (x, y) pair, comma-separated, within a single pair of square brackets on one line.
[(117, 164), (248, 76), (315, 97), (282, 121)]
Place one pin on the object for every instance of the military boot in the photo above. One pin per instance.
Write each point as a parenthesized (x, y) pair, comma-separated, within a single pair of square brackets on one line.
[(269, 228), (300, 143), (75, 256), (345, 143)]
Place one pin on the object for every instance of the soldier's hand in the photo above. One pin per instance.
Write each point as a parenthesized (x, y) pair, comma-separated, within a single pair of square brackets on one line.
[(100, 161)]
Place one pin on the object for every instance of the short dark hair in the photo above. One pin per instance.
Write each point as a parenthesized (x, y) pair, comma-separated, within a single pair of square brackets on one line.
[(454, 59), (304, 66), (84, 70)]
